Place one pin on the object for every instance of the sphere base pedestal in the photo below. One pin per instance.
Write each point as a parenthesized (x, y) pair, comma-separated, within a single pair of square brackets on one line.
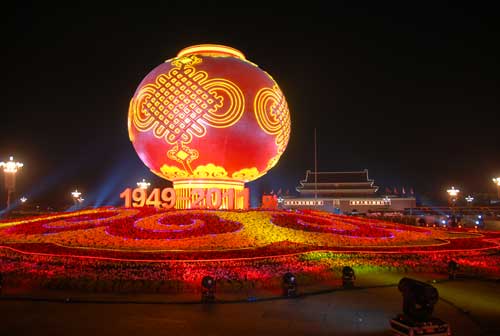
[(211, 194)]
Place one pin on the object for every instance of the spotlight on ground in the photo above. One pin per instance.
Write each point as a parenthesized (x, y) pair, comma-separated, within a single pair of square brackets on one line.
[(289, 284), (452, 269), (208, 289), (348, 277), (419, 299)]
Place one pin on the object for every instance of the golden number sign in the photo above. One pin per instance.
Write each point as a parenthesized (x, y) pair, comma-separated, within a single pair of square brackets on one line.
[(200, 198)]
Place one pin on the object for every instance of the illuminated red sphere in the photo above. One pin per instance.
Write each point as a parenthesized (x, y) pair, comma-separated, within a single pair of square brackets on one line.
[(209, 114)]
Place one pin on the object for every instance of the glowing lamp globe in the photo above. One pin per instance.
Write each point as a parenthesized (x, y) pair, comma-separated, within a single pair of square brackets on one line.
[(209, 118)]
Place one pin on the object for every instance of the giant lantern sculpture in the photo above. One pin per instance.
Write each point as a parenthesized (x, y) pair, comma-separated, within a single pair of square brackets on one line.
[(209, 119)]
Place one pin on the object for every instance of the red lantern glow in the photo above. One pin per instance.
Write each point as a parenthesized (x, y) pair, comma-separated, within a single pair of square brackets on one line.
[(208, 118)]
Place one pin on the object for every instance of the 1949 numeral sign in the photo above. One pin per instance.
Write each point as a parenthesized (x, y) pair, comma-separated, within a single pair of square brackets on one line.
[(199, 198)]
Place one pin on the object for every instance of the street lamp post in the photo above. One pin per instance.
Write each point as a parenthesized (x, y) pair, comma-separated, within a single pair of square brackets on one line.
[(10, 169), (453, 193), (76, 196), (496, 180), (143, 184), (469, 199)]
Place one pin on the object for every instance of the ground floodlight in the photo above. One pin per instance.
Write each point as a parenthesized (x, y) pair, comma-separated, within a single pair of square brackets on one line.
[(208, 289), (348, 277), (419, 299), (289, 284)]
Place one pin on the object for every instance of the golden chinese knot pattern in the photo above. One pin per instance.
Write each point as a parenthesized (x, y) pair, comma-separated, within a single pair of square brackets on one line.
[(271, 112), (180, 104)]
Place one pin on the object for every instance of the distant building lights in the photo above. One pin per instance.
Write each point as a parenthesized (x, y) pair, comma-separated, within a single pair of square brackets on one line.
[(303, 202)]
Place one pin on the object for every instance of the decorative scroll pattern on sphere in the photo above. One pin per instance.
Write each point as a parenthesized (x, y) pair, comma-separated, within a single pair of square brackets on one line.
[(272, 162), (271, 112)]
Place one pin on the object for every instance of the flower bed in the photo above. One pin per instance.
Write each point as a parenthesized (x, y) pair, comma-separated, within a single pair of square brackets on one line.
[(184, 225), (150, 230), (329, 225), (109, 247)]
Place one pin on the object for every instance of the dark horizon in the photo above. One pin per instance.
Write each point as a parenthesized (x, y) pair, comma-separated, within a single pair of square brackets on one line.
[(410, 93)]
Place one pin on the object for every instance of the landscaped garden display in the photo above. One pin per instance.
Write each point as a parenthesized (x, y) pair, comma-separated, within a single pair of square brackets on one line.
[(153, 250)]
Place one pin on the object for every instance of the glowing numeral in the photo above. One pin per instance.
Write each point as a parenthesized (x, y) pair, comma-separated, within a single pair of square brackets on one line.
[(154, 198), (229, 196), (246, 198), (139, 197), (127, 194), (168, 196), (198, 196), (214, 198), (242, 198)]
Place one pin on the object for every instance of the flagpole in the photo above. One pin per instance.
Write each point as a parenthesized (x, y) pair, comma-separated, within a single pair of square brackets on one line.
[(315, 167)]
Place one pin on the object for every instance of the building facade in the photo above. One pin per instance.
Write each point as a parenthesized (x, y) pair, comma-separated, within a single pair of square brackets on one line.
[(343, 192)]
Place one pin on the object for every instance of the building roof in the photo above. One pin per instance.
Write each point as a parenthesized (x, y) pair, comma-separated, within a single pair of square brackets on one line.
[(337, 177), (338, 186), (338, 183)]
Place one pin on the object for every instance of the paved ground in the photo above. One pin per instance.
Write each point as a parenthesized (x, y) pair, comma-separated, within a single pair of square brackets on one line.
[(471, 306)]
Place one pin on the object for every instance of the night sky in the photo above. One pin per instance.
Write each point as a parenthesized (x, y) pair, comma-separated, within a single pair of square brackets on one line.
[(409, 93)]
